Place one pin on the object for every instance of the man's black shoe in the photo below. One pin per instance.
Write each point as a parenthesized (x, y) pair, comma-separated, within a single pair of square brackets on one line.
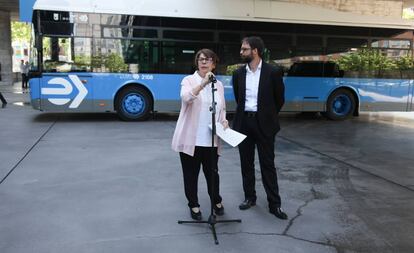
[(218, 210), (195, 215), (278, 212), (246, 204)]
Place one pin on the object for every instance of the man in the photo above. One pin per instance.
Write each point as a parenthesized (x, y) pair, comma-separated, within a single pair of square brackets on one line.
[(3, 101), (259, 92), (24, 70)]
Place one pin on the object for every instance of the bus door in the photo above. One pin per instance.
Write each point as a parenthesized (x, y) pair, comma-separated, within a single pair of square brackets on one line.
[(66, 83), (66, 92)]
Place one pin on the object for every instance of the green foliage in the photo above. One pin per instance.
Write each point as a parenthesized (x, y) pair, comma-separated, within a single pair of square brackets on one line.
[(96, 61), (231, 68), (20, 31), (350, 62), (405, 63), (406, 66), (47, 52), (82, 62), (115, 63), (365, 59), (408, 13), (373, 63), (82, 59)]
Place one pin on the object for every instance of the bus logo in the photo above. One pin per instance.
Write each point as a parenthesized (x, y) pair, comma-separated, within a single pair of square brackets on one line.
[(64, 87)]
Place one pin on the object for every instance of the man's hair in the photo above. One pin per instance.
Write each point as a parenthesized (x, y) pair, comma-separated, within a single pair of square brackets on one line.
[(208, 53), (255, 43)]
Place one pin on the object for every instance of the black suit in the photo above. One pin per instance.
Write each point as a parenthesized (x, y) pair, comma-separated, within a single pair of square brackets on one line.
[(260, 128)]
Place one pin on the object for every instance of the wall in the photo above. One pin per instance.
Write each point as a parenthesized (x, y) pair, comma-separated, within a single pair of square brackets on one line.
[(385, 8), (5, 49)]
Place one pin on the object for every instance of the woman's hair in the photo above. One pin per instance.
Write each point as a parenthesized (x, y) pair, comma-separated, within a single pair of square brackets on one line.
[(208, 53)]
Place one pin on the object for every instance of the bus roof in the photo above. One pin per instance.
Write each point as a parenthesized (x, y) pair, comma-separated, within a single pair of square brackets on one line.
[(247, 10)]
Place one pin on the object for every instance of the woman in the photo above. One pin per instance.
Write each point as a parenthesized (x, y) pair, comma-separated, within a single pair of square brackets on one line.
[(192, 135)]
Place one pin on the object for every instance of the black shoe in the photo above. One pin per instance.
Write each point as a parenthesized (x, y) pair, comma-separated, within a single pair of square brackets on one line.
[(194, 215), (218, 210), (278, 212), (246, 204)]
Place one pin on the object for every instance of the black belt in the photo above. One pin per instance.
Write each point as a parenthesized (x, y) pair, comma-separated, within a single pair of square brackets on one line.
[(250, 114)]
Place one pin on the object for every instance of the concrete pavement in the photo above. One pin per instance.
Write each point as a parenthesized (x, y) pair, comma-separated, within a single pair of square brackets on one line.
[(92, 183)]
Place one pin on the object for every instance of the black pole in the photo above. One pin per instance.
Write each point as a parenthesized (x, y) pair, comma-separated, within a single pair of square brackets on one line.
[(212, 221)]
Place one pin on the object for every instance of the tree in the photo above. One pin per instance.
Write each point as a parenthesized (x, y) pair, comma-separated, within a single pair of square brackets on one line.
[(408, 13), (405, 65), (20, 31), (368, 63), (115, 63)]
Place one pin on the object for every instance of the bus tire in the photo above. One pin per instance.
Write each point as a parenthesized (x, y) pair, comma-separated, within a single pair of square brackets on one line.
[(133, 104), (340, 105)]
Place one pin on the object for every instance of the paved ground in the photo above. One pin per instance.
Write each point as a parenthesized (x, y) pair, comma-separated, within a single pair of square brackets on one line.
[(92, 183)]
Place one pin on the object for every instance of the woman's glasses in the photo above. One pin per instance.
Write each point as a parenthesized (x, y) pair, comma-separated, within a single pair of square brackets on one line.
[(202, 59)]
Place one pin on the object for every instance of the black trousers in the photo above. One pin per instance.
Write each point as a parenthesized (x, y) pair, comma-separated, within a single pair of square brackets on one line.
[(265, 148), (3, 100), (24, 81), (191, 169)]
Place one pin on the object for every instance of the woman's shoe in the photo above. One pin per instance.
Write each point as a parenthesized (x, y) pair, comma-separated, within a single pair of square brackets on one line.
[(218, 209), (195, 213)]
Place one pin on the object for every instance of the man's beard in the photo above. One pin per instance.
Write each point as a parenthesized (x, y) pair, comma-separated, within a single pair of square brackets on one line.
[(246, 59)]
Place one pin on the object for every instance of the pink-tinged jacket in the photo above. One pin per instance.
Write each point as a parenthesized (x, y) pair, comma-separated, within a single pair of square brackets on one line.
[(186, 129)]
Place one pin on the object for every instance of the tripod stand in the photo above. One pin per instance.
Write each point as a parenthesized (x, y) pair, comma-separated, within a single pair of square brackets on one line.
[(212, 221)]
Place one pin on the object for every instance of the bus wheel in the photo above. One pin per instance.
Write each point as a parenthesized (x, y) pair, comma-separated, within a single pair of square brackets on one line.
[(340, 105), (133, 103)]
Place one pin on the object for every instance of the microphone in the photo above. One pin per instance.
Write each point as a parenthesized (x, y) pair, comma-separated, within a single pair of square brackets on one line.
[(212, 78)]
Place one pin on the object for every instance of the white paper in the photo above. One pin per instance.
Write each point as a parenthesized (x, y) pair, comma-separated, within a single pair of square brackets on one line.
[(230, 136)]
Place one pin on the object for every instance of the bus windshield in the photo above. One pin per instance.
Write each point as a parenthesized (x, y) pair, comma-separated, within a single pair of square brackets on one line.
[(33, 60)]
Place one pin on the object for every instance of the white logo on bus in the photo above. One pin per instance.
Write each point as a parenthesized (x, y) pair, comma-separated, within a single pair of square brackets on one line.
[(66, 90)]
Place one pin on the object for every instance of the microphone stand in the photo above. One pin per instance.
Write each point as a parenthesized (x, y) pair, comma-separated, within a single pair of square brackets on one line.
[(212, 221)]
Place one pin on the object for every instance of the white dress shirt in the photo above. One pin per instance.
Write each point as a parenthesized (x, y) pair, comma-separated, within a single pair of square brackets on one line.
[(252, 88)]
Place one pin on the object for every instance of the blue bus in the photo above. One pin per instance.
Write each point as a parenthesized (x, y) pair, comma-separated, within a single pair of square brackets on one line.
[(97, 59)]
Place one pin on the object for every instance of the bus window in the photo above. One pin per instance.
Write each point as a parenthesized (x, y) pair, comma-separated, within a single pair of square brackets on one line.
[(178, 57), (66, 54), (306, 69)]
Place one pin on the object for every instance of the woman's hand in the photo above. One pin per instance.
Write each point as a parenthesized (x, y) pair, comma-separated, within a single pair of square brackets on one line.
[(203, 84), (206, 79), (225, 124)]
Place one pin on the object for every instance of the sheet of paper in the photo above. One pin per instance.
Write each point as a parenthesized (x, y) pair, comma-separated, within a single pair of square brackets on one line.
[(230, 136)]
